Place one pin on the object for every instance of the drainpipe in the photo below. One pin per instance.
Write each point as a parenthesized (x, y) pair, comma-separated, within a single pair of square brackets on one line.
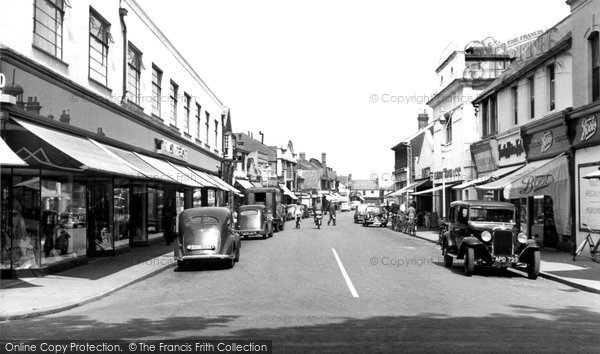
[(122, 14)]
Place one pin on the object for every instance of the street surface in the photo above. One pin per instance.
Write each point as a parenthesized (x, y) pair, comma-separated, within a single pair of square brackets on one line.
[(291, 289)]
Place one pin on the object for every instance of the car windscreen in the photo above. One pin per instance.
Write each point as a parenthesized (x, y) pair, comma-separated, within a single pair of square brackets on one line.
[(197, 221), (376, 210), (491, 214)]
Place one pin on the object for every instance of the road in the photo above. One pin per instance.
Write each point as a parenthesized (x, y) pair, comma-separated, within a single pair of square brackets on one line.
[(291, 289)]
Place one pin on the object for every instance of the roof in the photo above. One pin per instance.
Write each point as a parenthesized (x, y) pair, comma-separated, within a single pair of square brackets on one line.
[(364, 184), (227, 115), (247, 143), (252, 206), (483, 203), (217, 212)]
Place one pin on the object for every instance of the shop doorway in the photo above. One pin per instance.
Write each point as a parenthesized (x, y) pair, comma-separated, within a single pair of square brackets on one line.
[(100, 210)]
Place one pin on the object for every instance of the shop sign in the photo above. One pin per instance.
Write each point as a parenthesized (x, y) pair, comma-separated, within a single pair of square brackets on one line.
[(510, 149), (169, 148), (547, 142), (448, 174), (585, 130), (589, 198)]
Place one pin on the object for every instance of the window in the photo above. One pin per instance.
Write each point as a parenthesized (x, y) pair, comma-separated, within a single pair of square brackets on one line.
[(173, 104), (515, 104), (156, 90), (198, 122), (493, 115), (551, 87), (99, 38), (207, 123), (216, 134), (595, 48), (134, 63), (226, 146), (48, 26), (449, 131), (531, 91), (484, 119), (186, 111)]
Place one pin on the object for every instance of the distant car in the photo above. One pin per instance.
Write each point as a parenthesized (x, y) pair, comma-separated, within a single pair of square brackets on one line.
[(291, 212), (359, 213), (345, 207), (207, 234), (485, 234), (253, 220), (376, 216), (355, 204)]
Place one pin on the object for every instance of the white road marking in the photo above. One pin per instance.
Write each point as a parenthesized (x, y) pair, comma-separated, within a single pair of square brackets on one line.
[(345, 274)]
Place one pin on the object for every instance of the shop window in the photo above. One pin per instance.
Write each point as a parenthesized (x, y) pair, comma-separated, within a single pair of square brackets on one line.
[(121, 214), (156, 90), (63, 222), (594, 43), (100, 220), (173, 103), (48, 26), (197, 198), (134, 63), (155, 206), (98, 51)]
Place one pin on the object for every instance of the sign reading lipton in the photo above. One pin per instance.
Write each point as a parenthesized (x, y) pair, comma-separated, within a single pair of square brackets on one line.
[(169, 148)]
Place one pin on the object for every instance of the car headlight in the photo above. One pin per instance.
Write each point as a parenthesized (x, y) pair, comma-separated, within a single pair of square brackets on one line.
[(522, 237), (486, 236)]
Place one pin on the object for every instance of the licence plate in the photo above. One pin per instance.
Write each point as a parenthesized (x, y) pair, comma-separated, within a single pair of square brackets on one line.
[(200, 247), (506, 259)]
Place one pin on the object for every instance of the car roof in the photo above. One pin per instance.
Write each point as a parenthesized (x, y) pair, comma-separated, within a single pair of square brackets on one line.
[(252, 206), (483, 203), (217, 212)]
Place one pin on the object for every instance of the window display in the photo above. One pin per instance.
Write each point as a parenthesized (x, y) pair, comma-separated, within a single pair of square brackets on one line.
[(100, 223), (121, 213)]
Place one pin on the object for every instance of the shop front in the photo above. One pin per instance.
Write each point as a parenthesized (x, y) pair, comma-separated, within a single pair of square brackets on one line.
[(585, 139)]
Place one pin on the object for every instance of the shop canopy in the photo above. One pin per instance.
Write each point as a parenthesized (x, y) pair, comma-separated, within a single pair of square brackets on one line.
[(223, 185), (82, 150), (244, 183), (189, 174), (434, 189), (168, 170), (593, 175), (8, 157), (204, 178), (508, 179), (287, 191), (499, 173), (408, 189)]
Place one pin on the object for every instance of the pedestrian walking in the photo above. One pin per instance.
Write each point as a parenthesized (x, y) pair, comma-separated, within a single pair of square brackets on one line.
[(168, 218), (331, 214)]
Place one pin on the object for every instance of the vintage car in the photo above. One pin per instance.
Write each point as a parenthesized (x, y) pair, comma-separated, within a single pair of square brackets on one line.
[(486, 234), (271, 198), (359, 213), (207, 234), (345, 207), (375, 215), (291, 212), (254, 220)]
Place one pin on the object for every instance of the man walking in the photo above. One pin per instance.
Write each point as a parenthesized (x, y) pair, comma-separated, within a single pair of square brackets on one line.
[(331, 214)]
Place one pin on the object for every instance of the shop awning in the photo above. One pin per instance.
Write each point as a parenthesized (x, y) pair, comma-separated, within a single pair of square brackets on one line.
[(167, 170), (8, 157), (135, 162), (501, 172), (82, 150), (207, 181), (244, 183), (189, 174), (224, 185), (506, 180), (434, 189), (410, 188), (593, 175), (287, 191)]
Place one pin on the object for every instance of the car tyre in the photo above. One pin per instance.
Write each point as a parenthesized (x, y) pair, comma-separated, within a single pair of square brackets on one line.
[(180, 265), (533, 266), (237, 255), (447, 258), (469, 261), (230, 263)]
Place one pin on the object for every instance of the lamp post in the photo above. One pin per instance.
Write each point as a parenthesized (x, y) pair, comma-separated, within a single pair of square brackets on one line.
[(444, 119)]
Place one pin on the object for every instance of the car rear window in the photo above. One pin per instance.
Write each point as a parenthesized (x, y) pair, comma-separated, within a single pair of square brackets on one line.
[(201, 220), (248, 212)]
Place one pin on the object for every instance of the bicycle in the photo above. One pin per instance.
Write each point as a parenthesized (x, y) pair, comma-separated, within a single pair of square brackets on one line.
[(590, 242)]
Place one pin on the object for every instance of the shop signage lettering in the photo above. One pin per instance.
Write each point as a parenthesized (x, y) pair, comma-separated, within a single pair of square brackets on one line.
[(447, 173), (588, 126), (2, 81), (509, 149), (169, 148), (547, 140), (535, 183)]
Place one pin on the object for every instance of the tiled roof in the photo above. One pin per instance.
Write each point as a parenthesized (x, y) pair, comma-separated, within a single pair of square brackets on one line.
[(247, 143), (365, 184)]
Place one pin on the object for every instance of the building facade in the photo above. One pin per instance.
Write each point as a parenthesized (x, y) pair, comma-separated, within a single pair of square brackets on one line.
[(107, 118)]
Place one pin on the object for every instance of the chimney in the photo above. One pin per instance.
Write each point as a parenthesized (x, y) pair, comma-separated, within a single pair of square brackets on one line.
[(100, 132), (423, 119), (64, 117), (302, 156), (33, 105), (262, 137), (324, 158)]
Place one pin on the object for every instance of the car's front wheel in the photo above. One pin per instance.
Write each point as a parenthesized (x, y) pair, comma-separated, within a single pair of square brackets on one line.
[(180, 265), (533, 266), (469, 261), (447, 258)]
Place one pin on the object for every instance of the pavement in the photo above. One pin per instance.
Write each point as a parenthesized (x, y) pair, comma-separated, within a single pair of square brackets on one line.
[(36, 296), (559, 266)]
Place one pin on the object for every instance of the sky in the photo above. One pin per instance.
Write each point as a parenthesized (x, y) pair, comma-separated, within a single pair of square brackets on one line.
[(308, 71)]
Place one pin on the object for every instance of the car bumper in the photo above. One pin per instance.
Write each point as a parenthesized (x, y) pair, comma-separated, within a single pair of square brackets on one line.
[(248, 232), (204, 257)]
